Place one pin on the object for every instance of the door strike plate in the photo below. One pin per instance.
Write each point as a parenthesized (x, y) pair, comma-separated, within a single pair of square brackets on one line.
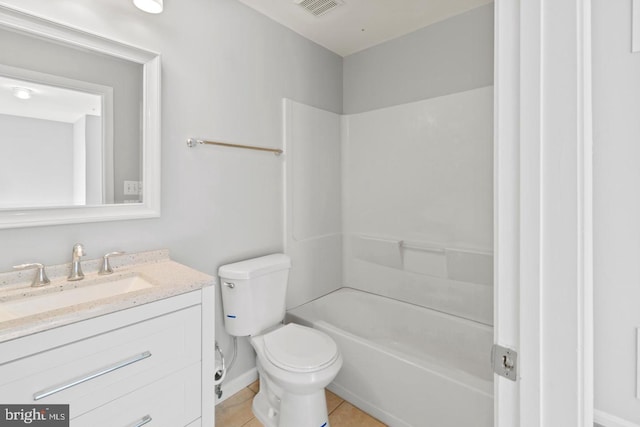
[(505, 362)]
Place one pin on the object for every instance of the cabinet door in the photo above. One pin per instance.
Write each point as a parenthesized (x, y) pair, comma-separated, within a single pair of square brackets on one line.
[(97, 370)]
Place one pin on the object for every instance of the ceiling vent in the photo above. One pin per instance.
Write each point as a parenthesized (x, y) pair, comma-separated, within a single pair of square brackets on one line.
[(318, 7)]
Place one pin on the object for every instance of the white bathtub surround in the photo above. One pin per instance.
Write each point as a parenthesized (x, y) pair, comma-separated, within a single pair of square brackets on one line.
[(423, 170), (404, 364), (417, 226), (427, 258), (378, 250), (454, 281), (313, 205), (603, 419), (168, 278), (410, 207), (466, 300), (417, 203)]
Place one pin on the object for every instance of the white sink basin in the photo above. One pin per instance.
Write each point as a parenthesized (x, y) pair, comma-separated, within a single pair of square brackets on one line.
[(86, 292)]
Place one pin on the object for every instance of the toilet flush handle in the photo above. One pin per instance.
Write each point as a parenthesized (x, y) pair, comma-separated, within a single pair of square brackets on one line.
[(229, 285)]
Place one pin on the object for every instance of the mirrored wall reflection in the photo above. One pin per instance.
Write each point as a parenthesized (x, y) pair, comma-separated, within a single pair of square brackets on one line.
[(70, 125), (51, 150)]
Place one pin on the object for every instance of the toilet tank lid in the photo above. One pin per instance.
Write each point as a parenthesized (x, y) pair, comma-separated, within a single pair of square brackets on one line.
[(255, 267)]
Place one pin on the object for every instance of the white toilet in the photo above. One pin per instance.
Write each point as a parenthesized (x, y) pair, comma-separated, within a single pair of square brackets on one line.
[(295, 363)]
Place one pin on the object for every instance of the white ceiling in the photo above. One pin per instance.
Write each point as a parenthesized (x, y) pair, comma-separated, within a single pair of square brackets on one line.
[(47, 102), (359, 24)]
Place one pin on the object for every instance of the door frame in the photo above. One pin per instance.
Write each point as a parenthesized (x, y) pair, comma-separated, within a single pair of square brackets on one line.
[(543, 211)]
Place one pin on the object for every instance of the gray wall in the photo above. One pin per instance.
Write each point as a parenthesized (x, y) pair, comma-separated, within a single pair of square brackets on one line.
[(225, 70), (616, 214), (443, 58)]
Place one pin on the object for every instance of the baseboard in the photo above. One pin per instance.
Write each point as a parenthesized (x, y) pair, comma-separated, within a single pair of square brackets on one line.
[(229, 388), (608, 420)]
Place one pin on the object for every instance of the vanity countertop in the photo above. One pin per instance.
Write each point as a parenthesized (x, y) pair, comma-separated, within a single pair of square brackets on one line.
[(168, 278)]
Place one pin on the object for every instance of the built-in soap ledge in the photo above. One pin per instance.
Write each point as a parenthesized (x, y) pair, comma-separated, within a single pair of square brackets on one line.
[(378, 250), (425, 258)]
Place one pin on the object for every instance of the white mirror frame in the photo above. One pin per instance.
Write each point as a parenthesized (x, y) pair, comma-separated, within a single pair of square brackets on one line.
[(150, 207)]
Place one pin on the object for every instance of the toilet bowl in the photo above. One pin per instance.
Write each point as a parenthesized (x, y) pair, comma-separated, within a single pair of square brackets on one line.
[(295, 363)]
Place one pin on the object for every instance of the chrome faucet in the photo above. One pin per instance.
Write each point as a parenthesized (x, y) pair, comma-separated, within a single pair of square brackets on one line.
[(76, 269)]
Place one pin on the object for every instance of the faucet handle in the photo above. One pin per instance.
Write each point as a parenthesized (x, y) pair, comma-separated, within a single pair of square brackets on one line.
[(105, 268), (40, 279)]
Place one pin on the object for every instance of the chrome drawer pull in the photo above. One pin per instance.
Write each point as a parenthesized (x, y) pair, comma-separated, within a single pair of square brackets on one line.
[(95, 374), (144, 420)]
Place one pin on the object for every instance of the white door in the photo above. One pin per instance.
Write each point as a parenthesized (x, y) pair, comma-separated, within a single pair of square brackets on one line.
[(543, 286)]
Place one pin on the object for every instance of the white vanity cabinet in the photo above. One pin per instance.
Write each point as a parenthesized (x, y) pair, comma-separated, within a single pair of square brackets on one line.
[(147, 365)]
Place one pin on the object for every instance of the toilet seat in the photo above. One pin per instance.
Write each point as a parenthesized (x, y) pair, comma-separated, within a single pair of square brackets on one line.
[(297, 348)]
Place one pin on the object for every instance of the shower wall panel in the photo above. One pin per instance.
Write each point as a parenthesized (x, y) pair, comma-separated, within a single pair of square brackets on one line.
[(313, 211), (418, 202)]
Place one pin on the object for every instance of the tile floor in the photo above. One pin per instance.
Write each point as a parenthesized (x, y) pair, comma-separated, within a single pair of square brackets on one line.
[(236, 411)]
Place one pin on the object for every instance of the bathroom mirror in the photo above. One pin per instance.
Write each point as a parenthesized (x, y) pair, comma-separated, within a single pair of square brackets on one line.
[(79, 125)]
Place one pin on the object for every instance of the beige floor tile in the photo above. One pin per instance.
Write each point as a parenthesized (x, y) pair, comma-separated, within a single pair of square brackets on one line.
[(333, 401), (254, 386), (347, 415), (253, 423), (236, 410)]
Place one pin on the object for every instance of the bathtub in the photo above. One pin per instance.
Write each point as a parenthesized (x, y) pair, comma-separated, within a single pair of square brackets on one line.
[(406, 365)]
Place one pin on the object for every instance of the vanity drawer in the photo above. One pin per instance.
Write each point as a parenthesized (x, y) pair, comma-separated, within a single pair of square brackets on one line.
[(173, 401), (97, 370)]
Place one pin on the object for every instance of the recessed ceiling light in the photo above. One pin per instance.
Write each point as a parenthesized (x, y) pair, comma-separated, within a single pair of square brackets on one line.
[(150, 6), (22, 92)]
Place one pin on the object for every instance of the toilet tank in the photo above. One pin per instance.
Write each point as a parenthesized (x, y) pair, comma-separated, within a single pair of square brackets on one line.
[(254, 293)]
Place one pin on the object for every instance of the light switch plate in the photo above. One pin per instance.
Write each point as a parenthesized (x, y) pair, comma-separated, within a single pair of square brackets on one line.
[(130, 188)]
